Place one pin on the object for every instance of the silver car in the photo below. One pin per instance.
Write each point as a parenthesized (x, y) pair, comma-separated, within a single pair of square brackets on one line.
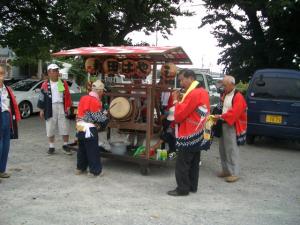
[(27, 94)]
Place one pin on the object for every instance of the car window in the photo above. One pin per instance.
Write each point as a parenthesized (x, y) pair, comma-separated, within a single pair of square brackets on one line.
[(38, 86), (276, 88), (9, 82), (200, 79), (24, 85), (210, 82)]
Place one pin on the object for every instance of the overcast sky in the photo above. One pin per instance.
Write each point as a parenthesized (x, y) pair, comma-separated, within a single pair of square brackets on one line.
[(199, 44)]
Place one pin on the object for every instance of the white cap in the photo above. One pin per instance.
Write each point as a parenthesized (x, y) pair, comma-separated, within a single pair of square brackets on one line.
[(98, 85), (52, 66)]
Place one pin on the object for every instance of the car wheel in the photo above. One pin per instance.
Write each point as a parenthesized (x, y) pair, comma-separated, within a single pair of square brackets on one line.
[(250, 139), (25, 109)]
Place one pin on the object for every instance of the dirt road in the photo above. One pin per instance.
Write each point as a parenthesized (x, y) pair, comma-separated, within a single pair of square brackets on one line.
[(43, 189)]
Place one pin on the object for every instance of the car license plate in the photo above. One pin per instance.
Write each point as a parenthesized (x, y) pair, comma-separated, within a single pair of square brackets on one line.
[(274, 119)]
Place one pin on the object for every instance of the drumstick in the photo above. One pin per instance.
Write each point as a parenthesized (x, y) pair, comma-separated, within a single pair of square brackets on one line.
[(113, 105)]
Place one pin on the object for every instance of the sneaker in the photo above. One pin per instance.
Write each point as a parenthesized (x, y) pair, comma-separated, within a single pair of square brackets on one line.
[(223, 175), (73, 146), (231, 179), (4, 175), (92, 175), (80, 172), (51, 151), (66, 150), (75, 143)]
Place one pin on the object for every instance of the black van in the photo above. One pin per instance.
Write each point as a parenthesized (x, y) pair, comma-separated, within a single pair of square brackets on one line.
[(273, 99)]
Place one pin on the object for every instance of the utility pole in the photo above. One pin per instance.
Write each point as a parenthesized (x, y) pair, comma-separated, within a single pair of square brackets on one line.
[(156, 34)]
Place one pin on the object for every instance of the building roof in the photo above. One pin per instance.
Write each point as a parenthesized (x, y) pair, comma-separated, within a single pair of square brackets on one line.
[(6, 52)]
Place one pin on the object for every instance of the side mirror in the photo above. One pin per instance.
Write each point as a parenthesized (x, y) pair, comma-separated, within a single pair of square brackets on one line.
[(38, 90), (220, 90), (213, 88)]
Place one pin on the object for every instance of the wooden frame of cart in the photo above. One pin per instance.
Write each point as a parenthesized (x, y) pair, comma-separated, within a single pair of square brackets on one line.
[(133, 62)]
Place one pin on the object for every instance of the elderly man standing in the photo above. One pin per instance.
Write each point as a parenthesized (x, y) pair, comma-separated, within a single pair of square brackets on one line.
[(190, 114), (234, 117), (55, 102)]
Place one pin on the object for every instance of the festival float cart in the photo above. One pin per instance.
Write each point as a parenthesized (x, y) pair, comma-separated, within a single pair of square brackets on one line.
[(134, 107)]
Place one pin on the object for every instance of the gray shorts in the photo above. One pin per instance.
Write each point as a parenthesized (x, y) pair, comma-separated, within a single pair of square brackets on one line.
[(58, 118)]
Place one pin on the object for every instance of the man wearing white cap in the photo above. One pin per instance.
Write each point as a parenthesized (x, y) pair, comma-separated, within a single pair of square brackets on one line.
[(90, 115), (54, 103)]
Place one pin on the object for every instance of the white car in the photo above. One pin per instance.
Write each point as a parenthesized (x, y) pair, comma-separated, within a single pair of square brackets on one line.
[(27, 94)]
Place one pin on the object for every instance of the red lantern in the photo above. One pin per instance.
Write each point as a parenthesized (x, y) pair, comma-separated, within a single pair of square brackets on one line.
[(91, 65), (143, 68), (168, 71), (128, 67), (111, 66)]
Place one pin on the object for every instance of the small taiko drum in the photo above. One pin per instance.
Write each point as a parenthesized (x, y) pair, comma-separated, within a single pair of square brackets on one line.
[(120, 108)]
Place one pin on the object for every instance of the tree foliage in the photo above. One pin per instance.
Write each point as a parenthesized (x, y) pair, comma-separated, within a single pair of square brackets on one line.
[(33, 27), (255, 34)]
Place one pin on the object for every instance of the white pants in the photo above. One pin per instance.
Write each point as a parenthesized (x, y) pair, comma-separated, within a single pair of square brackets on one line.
[(58, 118)]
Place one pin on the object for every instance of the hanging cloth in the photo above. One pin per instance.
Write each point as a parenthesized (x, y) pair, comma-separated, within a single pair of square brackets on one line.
[(193, 85), (60, 86)]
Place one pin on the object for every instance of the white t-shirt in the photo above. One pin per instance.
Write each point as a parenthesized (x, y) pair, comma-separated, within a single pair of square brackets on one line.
[(57, 97), (228, 101), (5, 103), (165, 98)]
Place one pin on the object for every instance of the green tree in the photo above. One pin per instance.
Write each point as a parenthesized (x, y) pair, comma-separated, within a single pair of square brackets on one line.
[(255, 34), (21, 29), (33, 27), (77, 71)]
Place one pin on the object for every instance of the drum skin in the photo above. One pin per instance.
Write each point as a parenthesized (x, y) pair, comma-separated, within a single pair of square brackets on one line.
[(120, 108)]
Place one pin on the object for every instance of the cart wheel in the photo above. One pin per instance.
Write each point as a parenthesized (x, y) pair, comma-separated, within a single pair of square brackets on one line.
[(145, 170)]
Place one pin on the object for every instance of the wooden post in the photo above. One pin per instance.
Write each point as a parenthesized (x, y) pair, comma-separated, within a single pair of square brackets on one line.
[(150, 111)]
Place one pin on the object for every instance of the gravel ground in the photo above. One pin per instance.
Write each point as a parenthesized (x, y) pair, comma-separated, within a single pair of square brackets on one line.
[(44, 190)]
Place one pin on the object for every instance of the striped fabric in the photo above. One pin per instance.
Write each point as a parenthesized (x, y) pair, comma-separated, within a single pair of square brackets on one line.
[(193, 143)]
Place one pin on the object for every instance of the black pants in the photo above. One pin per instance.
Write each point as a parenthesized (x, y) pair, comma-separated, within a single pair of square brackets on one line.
[(168, 136), (187, 171), (88, 154)]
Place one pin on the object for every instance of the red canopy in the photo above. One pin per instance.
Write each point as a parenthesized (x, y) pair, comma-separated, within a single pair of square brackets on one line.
[(160, 55)]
